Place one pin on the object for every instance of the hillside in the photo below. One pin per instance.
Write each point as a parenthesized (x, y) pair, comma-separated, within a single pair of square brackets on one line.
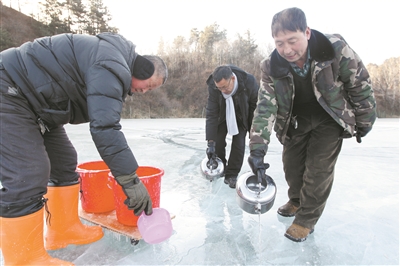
[(17, 28)]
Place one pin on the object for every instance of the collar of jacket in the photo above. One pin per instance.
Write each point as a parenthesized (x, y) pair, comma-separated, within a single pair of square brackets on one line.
[(320, 50)]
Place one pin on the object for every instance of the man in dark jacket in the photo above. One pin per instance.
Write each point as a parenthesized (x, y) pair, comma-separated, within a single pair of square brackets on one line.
[(232, 98), (44, 84), (317, 91)]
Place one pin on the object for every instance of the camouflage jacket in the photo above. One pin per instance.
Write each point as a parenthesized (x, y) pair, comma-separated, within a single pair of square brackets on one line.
[(340, 83)]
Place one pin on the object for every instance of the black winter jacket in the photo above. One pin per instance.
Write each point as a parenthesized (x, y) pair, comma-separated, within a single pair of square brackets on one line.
[(245, 101), (74, 79)]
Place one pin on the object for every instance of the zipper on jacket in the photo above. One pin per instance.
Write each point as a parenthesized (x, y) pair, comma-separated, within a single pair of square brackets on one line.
[(42, 126), (289, 116)]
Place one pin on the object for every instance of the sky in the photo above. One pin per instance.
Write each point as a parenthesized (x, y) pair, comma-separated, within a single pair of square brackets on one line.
[(367, 25)]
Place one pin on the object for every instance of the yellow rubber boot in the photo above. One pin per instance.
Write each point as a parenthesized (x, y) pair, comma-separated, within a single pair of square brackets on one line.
[(22, 241), (64, 226)]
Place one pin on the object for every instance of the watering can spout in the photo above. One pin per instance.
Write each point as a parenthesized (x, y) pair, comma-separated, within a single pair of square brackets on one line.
[(258, 208)]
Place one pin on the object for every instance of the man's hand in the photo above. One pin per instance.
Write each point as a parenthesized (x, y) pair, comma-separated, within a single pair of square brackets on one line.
[(138, 198), (361, 132), (211, 150), (257, 165)]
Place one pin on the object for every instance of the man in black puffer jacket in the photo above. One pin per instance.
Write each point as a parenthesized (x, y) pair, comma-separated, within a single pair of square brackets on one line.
[(232, 98), (44, 84)]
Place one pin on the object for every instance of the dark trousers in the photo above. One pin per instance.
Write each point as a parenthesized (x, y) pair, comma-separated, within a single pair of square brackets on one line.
[(235, 161), (309, 160), (28, 159)]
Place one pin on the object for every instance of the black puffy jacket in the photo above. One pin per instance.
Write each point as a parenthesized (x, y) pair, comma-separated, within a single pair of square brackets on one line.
[(245, 102), (71, 78)]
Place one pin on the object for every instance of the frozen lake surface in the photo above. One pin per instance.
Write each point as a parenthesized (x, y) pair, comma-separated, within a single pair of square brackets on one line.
[(360, 224)]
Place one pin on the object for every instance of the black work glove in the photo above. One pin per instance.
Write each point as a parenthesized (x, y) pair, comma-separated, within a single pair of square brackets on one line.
[(361, 132), (257, 165), (138, 198), (211, 150)]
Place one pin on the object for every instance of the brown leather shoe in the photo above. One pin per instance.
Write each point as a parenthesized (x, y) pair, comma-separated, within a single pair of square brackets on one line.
[(298, 233), (288, 210)]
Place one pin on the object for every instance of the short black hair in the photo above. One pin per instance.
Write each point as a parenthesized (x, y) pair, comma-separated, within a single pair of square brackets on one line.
[(290, 19), (222, 72)]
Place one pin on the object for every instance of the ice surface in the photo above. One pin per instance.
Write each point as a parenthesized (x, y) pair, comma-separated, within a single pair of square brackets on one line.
[(360, 224)]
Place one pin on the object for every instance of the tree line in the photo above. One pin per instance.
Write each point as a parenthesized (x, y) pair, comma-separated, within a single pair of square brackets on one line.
[(76, 16), (386, 84), (54, 17), (191, 60)]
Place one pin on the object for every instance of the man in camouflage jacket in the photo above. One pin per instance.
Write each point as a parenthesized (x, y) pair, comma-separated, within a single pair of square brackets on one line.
[(316, 90)]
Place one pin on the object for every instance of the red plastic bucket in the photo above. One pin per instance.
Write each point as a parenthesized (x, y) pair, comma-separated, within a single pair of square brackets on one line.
[(97, 193), (151, 178)]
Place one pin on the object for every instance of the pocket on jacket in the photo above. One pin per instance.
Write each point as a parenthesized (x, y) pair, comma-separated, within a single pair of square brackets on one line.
[(57, 117)]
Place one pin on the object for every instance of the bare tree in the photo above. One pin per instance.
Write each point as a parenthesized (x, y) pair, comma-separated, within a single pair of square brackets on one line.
[(386, 84)]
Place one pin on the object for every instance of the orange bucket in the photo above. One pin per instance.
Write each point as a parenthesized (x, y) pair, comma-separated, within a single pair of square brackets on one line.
[(151, 178), (97, 193)]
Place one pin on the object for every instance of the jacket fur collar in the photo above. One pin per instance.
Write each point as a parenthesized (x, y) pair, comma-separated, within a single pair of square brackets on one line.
[(320, 50)]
